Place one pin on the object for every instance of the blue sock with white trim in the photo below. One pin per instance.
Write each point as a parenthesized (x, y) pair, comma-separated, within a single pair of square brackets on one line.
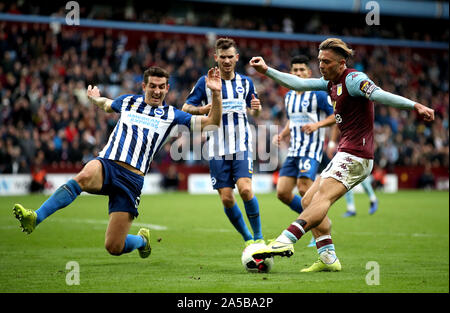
[(61, 198), (237, 219)]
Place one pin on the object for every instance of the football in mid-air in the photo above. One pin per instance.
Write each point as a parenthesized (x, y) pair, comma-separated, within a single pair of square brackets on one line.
[(255, 265)]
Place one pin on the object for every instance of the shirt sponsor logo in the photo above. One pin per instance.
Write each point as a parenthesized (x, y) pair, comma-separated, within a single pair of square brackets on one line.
[(141, 120)]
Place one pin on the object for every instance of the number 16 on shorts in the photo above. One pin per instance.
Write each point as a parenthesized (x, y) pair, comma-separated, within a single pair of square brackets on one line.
[(307, 167)]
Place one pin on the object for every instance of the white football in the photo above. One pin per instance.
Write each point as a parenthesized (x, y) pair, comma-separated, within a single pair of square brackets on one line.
[(255, 265)]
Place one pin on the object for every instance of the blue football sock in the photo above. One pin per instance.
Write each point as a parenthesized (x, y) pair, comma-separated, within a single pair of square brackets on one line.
[(61, 198), (235, 216), (366, 184), (296, 204), (133, 242), (350, 199), (252, 210)]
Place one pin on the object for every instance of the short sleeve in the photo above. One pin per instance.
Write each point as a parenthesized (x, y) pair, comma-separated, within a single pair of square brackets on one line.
[(198, 93), (183, 118), (324, 102), (117, 103)]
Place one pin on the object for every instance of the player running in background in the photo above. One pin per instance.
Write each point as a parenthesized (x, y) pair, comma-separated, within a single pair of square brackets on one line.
[(230, 147), (144, 125), (306, 112), (352, 93)]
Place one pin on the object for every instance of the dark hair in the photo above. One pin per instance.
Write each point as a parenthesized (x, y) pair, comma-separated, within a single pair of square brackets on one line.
[(225, 43), (300, 59), (155, 71)]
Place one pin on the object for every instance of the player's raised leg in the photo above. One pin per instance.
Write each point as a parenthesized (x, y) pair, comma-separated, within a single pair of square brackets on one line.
[(90, 179)]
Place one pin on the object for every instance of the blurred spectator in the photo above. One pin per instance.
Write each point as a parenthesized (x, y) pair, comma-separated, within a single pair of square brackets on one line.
[(38, 179), (426, 180), (171, 179)]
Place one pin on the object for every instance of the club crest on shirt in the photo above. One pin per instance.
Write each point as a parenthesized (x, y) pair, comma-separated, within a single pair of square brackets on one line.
[(305, 102), (339, 89), (240, 89), (159, 112)]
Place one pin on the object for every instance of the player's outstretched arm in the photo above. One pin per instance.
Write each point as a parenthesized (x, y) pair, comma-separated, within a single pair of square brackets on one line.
[(288, 80), (358, 84), (195, 110), (94, 97), (214, 83), (387, 98)]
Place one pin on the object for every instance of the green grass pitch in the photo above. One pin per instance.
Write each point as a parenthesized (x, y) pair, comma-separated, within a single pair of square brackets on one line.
[(195, 249)]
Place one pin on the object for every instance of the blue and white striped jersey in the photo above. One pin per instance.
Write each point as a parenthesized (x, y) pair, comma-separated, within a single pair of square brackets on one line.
[(141, 130), (234, 134), (309, 107)]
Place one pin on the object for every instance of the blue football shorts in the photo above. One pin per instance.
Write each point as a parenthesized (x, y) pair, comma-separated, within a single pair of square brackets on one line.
[(226, 170), (300, 167), (122, 186)]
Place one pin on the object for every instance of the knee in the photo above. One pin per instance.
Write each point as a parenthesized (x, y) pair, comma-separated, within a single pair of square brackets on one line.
[(114, 248), (228, 201), (83, 179), (246, 193), (285, 197)]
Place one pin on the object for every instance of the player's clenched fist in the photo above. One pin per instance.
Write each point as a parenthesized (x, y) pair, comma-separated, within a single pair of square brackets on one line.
[(259, 64)]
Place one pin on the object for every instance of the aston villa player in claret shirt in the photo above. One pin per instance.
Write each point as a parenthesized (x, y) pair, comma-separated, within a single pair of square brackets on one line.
[(352, 94)]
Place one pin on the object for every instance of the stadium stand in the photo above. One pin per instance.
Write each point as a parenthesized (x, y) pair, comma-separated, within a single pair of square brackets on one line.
[(45, 118)]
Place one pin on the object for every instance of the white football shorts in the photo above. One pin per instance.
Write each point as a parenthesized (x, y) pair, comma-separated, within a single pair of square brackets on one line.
[(348, 169)]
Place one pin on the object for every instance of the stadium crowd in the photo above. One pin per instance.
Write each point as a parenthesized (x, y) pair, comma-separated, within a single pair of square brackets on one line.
[(46, 119), (248, 17)]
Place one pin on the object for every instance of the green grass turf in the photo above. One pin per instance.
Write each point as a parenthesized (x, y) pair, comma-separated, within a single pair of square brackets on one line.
[(200, 251)]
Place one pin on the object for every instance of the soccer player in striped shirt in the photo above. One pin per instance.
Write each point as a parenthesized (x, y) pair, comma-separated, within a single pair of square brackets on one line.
[(352, 94), (230, 146), (118, 172), (308, 113)]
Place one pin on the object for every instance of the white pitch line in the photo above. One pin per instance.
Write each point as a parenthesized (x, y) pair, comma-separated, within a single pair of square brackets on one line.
[(105, 222)]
